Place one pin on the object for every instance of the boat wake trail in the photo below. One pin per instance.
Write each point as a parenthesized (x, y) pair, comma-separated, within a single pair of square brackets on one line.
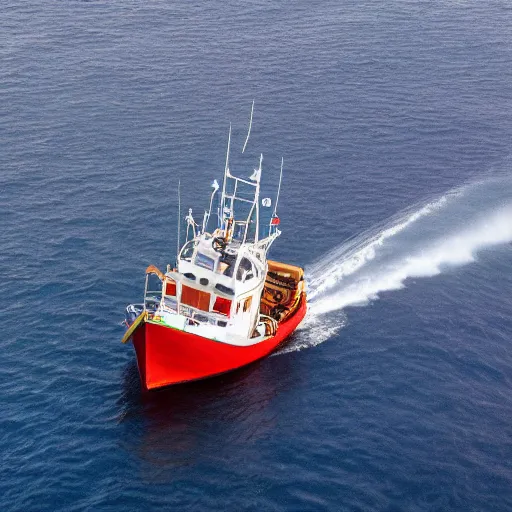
[(419, 242)]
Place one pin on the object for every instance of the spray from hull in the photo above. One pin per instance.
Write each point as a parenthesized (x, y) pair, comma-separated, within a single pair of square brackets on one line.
[(421, 242)]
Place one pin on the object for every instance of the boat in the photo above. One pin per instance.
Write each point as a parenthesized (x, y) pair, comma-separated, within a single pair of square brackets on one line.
[(223, 305)]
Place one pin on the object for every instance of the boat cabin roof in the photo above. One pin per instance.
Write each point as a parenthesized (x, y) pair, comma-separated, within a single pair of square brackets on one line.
[(225, 270)]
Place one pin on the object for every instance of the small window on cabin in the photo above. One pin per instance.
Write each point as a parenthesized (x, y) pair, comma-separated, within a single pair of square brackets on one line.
[(170, 287), (195, 298), (201, 318), (222, 306), (245, 270), (227, 265), (188, 251), (204, 261), (247, 304), (171, 303), (224, 289)]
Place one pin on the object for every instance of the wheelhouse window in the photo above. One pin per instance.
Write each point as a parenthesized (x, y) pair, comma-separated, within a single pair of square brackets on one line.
[(204, 261), (227, 265), (245, 270), (188, 251)]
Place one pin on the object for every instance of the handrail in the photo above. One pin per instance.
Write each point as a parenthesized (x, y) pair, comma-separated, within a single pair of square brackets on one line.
[(154, 270), (208, 314), (272, 322), (140, 319)]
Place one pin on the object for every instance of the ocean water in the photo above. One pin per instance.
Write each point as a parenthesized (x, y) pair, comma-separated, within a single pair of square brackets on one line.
[(395, 123)]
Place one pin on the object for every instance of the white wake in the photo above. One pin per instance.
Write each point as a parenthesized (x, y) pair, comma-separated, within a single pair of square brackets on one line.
[(421, 242)]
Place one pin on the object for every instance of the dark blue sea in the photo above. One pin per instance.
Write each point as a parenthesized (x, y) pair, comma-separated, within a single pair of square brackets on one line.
[(394, 119)]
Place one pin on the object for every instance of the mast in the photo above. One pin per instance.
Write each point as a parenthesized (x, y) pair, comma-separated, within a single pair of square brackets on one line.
[(179, 221), (226, 172), (256, 177), (257, 201), (231, 197)]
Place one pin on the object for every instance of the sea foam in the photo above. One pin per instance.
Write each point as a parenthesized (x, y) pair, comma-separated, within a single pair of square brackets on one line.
[(417, 243)]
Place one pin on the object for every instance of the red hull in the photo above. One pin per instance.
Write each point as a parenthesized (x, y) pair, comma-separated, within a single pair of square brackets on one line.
[(167, 356)]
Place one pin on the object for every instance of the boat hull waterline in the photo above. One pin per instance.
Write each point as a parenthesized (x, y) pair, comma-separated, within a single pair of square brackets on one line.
[(224, 304), (166, 356)]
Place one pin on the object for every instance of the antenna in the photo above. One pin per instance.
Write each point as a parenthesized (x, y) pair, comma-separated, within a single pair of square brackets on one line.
[(279, 187), (179, 221), (205, 216), (206, 219), (227, 153), (257, 199), (250, 126), (226, 171)]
